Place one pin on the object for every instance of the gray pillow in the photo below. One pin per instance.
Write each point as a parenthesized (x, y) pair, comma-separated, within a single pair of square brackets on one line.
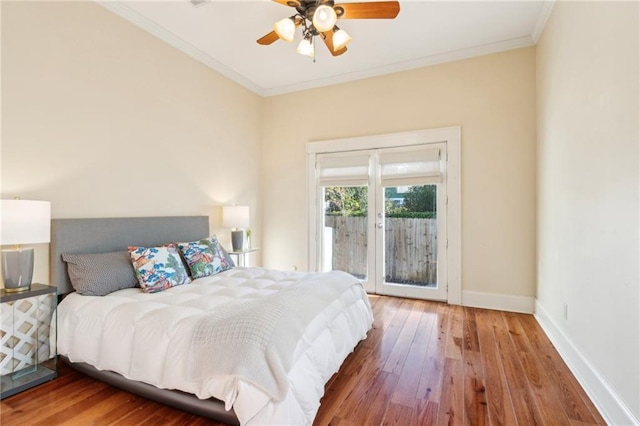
[(98, 274), (226, 255)]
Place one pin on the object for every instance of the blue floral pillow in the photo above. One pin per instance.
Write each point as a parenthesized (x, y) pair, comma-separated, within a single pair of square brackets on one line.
[(158, 268), (205, 257)]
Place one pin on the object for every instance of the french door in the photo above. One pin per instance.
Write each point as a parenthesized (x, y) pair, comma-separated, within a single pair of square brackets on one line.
[(381, 215)]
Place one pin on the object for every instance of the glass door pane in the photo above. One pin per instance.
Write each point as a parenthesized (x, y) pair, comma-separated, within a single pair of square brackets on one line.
[(344, 235), (411, 235), (411, 223)]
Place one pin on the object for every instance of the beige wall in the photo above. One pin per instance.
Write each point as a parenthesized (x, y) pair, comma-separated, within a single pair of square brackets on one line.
[(105, 120), (588, 190), (491, 97)]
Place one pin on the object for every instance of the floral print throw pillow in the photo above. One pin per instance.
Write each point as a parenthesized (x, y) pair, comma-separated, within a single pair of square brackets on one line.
[(158, 268), (205, 257)]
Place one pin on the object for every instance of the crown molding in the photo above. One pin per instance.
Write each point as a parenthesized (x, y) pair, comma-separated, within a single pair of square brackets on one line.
[(405, 66), (543, 17), (134, 17), (150, 26)]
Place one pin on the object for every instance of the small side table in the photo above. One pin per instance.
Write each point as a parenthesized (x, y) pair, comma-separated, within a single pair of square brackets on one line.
[(241, 255), (26, 343)]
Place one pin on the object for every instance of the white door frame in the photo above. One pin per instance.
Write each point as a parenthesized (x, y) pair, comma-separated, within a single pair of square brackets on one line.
[(451, 136)]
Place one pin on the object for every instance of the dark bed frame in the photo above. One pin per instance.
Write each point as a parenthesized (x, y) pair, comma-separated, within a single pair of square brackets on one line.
[(114, 234)]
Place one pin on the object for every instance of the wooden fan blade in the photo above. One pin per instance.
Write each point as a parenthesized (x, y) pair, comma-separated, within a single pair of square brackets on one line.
[(268, 38), (292, 3), (327, 36), (372, 10)]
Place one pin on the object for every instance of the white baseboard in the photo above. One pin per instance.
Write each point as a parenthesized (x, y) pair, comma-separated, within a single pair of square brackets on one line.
[(501, 302), (606, 400)]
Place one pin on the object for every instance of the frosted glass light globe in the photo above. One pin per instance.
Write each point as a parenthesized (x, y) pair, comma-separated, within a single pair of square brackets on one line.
[(324, 18), (306, 48), (340, 39), (285, 29)]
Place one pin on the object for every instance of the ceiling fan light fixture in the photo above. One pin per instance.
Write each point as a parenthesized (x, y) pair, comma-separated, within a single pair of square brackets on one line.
[(324, 18), (286, 29), (318, 19), (340, 39), (306, 47)]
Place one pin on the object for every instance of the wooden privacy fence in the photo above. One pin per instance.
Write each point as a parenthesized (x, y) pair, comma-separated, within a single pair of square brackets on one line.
[(410, 248)]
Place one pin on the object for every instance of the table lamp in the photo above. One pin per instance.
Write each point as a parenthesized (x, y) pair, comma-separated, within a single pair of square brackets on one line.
[(236, 218), (22, 222)]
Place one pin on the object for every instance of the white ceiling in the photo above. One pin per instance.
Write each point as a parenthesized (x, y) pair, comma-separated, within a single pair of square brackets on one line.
[(223, 34)]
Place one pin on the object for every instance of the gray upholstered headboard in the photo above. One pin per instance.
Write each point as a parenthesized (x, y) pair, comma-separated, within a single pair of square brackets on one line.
[(113, 234)]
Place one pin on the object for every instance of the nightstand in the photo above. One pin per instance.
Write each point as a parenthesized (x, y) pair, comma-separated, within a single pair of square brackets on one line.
[(27, 347), (242, 254)]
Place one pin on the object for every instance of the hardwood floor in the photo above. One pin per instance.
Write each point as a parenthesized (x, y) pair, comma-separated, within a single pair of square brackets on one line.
[(423, 363)]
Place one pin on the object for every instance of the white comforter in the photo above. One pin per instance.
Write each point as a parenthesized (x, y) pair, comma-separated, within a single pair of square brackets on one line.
[(145, 337)]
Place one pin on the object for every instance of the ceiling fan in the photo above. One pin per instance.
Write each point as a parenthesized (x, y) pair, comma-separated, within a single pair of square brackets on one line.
[(319, 17)]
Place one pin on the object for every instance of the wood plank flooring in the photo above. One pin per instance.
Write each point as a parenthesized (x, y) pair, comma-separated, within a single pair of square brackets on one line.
[(423, 363)]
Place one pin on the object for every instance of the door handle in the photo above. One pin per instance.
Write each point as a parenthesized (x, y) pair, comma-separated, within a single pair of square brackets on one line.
[(380, 226)]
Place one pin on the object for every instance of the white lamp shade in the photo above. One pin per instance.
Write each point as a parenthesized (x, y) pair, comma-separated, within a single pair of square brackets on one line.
[(324, 18), (235, 216), (25, 222), (306, 47), (286, 29), (340, 39)]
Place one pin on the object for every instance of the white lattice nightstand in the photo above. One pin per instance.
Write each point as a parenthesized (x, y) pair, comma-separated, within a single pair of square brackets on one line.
[(27, 348)]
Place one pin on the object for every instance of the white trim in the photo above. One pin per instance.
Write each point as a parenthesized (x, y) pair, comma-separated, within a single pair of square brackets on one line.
[(148, 25), (375, 236), (604, 397), (449, 135), (454, 215), (426, 61), (312, 232), (388, 140), (500, 302), (547, 7), (411, 292)]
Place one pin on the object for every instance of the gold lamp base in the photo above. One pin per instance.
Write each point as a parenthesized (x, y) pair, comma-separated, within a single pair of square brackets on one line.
[(17, 289)]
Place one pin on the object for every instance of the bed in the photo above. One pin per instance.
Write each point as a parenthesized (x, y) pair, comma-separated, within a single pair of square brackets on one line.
[(183, 346)]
